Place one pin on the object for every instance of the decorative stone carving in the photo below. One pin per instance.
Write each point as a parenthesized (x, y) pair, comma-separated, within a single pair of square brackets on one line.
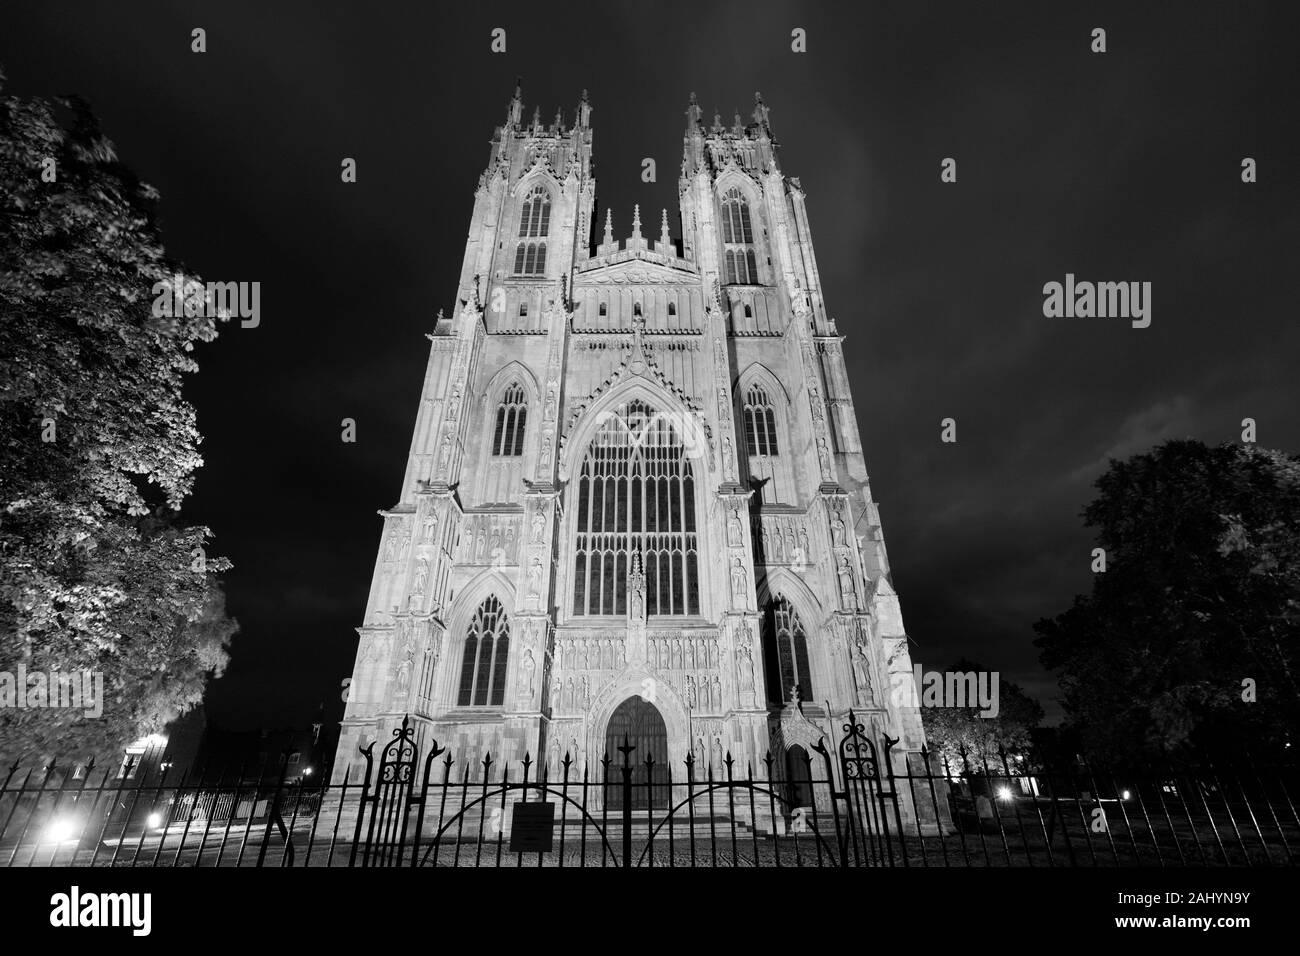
[(739, 586), (846, 583), (734, 530), (535, 582), (636, 592), (824, 456), (527, 666), (837, 530), (402, 675), (444, 451), (861, 672), (745, 664)]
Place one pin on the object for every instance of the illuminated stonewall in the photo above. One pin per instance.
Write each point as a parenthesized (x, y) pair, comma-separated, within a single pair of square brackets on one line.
[(636, 501)]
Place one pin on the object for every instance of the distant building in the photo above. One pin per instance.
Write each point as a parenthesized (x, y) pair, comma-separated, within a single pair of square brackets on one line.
[(174, 751)]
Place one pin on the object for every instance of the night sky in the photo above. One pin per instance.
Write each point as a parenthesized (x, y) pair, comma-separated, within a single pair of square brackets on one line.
[(1122, 166)]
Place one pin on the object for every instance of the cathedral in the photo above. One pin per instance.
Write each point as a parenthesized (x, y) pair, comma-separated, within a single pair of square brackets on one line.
[(636, 504)]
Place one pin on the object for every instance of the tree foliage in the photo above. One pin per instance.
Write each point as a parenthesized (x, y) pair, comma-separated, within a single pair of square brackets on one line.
[(99, 446), (1199, 603), (952, 731)]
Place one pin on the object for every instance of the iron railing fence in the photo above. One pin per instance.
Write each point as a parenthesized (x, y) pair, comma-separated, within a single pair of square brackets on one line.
[(859, 804)]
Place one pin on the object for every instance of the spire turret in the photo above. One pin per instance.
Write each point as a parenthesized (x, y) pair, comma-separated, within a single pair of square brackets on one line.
[(584, 112), (608, 245), (762, 114), (637, 242), (664, 246), (515, 111), (693, 114)]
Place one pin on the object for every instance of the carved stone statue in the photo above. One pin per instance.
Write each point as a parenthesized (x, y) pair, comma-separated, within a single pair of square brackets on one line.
[(861, 671), (739, 590), (526, 668), (846, 583), (746, 667), (636, 591), (734, 531), (539, 525), (823, 454), (404, 673), (430, 525), (444, 452)]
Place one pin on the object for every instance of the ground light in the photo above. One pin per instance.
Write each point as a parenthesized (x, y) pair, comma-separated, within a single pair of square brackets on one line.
[(60, 830)]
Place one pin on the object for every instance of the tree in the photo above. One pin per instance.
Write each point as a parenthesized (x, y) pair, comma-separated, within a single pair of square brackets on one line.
[(1188, 640), (951, 730), (99, 446)]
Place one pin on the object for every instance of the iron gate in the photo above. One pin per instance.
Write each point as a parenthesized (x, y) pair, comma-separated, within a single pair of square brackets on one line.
[(635, 813)]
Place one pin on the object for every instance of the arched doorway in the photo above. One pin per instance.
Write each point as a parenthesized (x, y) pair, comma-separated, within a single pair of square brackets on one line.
[(642, 726), (798, 778)]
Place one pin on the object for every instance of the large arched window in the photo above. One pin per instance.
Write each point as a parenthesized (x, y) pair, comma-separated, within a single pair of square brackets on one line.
[(487, 649), (785, 652), (512, 417), (738, 239), (636, 495), (534, 224), (760, 422)]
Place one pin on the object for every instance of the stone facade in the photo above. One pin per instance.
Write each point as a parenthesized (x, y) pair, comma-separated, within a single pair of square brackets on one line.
[(719, 347)]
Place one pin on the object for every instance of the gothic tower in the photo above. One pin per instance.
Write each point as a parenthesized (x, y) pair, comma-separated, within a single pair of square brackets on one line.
[(636, 501)]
